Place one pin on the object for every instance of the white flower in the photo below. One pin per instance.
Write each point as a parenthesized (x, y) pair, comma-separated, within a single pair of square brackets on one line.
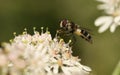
[(109, 6), (39, 54), (107, 21), (3, 59), (112, 19)]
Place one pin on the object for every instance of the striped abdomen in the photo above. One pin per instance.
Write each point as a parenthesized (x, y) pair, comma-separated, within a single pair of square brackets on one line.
[(84, 34)]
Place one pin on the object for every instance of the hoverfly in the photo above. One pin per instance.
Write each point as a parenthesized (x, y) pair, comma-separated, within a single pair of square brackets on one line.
[(67, 27)]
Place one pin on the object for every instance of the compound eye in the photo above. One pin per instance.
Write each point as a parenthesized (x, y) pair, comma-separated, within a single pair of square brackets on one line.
[(63, 23)]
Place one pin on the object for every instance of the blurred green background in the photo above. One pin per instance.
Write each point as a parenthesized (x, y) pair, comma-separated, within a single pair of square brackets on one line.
[(102, 56)]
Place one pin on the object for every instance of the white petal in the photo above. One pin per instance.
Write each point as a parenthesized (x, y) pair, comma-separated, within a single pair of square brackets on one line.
[(104, 1), (103, 6), (56, 68), (47, 69), (106, 25), (86, 68), (117, 20), (104, 28), (66, 71), (101, 20), (74, 71), (113, 27)]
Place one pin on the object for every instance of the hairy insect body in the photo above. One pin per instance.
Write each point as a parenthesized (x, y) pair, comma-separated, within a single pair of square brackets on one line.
[(68, 27)]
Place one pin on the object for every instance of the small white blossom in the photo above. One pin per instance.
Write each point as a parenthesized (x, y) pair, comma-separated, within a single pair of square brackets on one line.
[(112, 18), (39, 54)]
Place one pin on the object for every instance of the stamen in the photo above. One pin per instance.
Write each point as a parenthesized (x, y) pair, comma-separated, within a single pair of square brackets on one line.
[(42, 30), (14, 33), (25, 31), (34, 29)]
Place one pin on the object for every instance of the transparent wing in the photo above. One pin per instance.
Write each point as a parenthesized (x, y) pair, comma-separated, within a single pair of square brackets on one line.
[(86, 29)]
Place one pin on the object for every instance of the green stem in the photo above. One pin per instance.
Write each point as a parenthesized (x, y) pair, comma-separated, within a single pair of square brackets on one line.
[(117, 69)]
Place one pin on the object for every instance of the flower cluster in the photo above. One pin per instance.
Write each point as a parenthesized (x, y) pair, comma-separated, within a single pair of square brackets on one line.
[(112, 17), (39, 54)]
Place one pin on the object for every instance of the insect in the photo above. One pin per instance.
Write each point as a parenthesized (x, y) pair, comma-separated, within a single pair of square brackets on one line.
[(67, 27)]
